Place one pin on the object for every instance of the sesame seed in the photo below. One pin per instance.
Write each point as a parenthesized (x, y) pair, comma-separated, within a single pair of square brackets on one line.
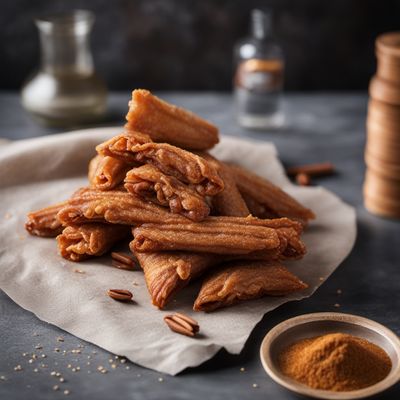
[(127, 367), (53, 373), (56, 350), (321, 278), (255, 385), (2, 378), (43, 356), (123, 360), (56, 387), (60, 339), (78, 368), (103, 371), (160, 379), (337, 305), (24, 354), (35, 370), (66, 392), (30, 361), (116, 357), (62, 380), (34, 356), (242, 369), (38, 347), (73, 370), (339, 291), (18, 368), (79, 271), (138, 375)]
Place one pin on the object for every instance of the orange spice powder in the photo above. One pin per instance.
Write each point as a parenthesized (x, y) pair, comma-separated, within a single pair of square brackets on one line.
[(336, 361)]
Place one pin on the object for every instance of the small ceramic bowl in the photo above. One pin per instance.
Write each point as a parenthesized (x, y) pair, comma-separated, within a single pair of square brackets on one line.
[(309, 325)]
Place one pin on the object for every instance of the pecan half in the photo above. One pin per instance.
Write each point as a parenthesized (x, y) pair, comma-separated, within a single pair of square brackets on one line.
[(122, 261), (120, 294), (182, 324)]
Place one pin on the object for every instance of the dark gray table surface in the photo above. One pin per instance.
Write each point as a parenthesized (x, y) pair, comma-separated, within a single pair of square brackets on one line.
[(320, 127)]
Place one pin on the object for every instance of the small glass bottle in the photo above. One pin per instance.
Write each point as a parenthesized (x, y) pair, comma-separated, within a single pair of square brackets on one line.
[(65, 91), (258, 80)]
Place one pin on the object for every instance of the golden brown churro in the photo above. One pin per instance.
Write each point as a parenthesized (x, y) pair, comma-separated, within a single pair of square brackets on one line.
[(79, 242), (106, 173), (275, 200), (113, 206), (167, 123), (168, 272), (44, 222), (149, 183), (245, 281), (138, 149), (219, 235)]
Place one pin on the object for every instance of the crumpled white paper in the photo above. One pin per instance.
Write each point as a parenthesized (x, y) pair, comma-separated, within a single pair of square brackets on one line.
[(35, 173)]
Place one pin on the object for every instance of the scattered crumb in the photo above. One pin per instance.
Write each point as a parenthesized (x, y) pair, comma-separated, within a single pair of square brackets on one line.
[(88, 363), (110, 360), (337, 305), (35, 334), (56, 350), (2, 378), (339, 291), (113, 366), (34, 356), (255, 385), (79, 271), (94, 351), (89, 372), (18, 368), (138, 375), (242, 369), (21, 237), (7, 215), (135, 283), (60, 339), (321, 278), (127, 367), (160, 379), (89, 356), (39, 347)]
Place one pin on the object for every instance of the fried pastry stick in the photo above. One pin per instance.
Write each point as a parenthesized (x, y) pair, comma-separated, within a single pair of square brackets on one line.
[(245, 280), (106, 173), (136, 149), (229, 202), (167, 123), (149, 183), (219, 235), (113, 206), (166, 273), (268, 197), (44, 222), (79, 242)]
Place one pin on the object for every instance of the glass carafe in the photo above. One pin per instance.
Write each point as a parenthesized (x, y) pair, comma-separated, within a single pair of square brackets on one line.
[(65, 91), (258, 80)]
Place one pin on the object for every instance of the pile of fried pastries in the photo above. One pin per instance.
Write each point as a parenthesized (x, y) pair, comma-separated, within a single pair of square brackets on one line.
[(188, 215)]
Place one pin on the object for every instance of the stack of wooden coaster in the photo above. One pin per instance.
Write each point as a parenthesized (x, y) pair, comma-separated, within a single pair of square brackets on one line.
[(382, 153)]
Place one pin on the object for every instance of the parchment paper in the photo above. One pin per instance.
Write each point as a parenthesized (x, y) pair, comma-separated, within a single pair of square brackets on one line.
[(35, 173)]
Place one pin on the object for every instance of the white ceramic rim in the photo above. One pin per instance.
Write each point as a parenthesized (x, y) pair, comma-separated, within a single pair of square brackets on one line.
[(292, 385)]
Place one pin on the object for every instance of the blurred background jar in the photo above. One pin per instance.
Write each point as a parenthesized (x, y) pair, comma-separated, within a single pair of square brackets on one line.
[(258, 80), (66, 90)]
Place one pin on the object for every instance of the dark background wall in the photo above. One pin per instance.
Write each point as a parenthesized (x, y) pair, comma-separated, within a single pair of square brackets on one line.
[(184, 45)]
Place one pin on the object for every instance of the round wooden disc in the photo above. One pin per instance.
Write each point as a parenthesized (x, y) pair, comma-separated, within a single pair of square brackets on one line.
[(382, 186), (388, 71), (387, 118), (383, 148), (385, 131), (389, 170), (376, 208), (382, 90), (389, 44)]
